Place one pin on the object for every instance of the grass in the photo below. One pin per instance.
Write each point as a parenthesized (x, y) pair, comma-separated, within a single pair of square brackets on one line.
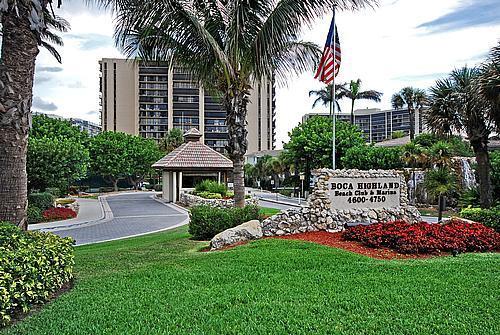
[(266, 211), (160, 284)]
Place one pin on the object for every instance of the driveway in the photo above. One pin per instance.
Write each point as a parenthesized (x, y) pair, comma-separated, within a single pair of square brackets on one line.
[(127, 215)]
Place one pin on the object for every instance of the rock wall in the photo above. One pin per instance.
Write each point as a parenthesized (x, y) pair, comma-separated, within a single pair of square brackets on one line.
[(318, 214), (190, 200)]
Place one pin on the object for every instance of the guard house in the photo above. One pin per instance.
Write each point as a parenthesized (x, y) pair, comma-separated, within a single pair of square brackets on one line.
[(189, 164)]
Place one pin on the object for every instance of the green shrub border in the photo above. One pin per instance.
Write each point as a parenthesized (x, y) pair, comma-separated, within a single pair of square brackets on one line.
[(488, 217), (33, 266)]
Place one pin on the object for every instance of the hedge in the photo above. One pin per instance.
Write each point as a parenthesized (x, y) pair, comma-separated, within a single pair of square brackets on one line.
[(33, 265), (211, 186), (208, 221), (42, 200), (34, 215), (488, 217)]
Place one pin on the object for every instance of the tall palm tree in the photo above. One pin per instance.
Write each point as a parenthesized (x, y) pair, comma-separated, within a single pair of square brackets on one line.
[(489, 84), (455, 106), (25, 26), (413, 99), (353, 91), (228, 46), (324, 96)]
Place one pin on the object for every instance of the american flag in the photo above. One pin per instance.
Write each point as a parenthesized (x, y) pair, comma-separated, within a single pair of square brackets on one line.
[(328, 68)]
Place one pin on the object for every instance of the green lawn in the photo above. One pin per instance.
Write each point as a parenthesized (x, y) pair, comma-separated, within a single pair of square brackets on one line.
[(160, 284), (266, 211)]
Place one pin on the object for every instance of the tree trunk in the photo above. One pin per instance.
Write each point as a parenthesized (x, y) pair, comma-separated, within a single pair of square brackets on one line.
[(483, 171), (411, 113), (235, 102), (17, 67), (352, 111)]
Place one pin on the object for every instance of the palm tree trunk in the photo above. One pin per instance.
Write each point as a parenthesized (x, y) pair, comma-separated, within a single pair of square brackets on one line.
[(483, 170), (352, 111), (411, 113), (235, 103), (17, 67)]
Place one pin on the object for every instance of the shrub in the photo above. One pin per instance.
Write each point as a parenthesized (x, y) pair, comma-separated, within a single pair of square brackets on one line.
[(406, 238), (33, 265), (286, 192), (56, 192), (398, 134), (42, 200), (211, 186), (209, 195), (158, 187), (34, 215), (208, 221), (58, 213), (488, 217), (367, 157)]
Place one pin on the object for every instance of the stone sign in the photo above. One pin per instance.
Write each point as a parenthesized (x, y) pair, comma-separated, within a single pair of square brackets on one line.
[(353, 193)]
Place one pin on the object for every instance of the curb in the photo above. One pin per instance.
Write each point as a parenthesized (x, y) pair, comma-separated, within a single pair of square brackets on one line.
[(280, 202)]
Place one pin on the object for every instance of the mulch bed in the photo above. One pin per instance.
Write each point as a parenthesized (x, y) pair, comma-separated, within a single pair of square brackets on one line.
[(337, 241)]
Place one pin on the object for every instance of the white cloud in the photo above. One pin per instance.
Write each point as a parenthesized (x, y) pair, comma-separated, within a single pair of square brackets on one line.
[(381, 46)]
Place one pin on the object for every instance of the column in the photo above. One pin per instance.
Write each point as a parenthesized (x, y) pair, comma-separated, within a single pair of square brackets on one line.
[(174, 186), (180, 183), (218, 177)]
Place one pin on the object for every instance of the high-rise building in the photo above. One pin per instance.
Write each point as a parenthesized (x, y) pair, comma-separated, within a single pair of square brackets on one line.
[(379, 125), (148, 99)]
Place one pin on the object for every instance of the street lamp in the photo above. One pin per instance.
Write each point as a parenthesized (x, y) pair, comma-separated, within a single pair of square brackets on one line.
[(302, 178)]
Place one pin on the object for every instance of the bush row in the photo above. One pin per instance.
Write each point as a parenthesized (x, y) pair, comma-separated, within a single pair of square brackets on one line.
[(406, 238), (211, 186), (488, 217), (43, 200), (208, 221), (33, 265)]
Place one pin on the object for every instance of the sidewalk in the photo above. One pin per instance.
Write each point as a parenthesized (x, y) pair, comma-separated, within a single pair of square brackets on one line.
[(90, 210)]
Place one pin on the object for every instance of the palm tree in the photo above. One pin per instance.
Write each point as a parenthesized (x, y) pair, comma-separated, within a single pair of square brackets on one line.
[(489, 84), (25, 25), (414, 156), (228, 46), (440, 182), (353, 92), (456, 106), (171, 141), (324, 96), (412, 98)]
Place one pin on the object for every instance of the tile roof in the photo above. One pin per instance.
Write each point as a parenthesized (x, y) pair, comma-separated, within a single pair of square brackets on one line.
[(193, 155)]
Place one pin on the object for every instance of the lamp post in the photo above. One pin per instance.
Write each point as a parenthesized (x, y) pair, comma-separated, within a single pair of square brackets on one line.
[(302, 178)]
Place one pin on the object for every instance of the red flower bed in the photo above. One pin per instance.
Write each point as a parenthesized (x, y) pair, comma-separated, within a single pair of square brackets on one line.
[(424, 238), (59, 213)]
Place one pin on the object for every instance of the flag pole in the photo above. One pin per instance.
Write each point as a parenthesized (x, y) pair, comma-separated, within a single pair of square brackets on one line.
[(333, 93)]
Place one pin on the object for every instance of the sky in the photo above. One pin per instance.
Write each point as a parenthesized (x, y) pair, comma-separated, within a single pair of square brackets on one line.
[(400, 43)]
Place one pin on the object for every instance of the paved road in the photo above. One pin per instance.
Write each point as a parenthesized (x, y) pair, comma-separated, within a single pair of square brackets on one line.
[(131, 215)]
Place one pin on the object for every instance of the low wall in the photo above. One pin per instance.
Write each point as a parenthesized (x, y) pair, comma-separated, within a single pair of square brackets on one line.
[(190, 200), (319, 214)]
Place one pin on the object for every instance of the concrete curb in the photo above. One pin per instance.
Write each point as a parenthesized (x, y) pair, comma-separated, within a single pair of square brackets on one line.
[(280, 202)]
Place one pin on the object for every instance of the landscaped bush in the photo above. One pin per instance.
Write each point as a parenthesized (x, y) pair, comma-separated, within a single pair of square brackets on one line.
[(488, 217), (55, 191), (33, 265), (211, 187), (367, 157), (208, 221), (34, 215), (408, 238), (42, 200), (58, 213), (209, 195)]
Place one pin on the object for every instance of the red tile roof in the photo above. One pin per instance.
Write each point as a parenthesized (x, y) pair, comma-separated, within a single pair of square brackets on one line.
[(193, 155)]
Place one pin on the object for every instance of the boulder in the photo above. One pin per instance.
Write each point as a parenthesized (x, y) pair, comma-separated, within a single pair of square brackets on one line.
[(247, 231)]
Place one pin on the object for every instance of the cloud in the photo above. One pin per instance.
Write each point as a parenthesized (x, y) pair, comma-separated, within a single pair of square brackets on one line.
[(40, 79), (39, 103), (418, 77), (76, 84), (92, 113), (49, 69), (469, 13), (91, 41)]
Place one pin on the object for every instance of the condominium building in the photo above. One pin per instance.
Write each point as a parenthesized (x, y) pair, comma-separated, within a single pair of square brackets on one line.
[(379, 125), (148, 99)]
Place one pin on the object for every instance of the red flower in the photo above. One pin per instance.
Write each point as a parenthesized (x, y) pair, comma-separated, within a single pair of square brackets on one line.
[(422, 237), (58, 213)]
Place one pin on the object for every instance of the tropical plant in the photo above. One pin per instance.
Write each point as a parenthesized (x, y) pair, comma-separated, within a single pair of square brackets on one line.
[(229, 46), (25, 25), (353, 92), (412, 99), (368, 157), (398, 134), (275, 167), (172, 140), (489, 84), (455, 106), (440, 182), (324, 96)]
